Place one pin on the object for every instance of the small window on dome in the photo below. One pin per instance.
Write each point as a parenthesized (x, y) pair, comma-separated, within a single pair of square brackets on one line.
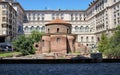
[(67, 30), (48, 30), (43, 42), (58, 30)]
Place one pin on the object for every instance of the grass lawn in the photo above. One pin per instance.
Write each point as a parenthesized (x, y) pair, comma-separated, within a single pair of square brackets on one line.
[(9, 54)]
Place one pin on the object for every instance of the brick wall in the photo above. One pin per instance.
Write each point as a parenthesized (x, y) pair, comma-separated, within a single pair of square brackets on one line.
[(58, 29)]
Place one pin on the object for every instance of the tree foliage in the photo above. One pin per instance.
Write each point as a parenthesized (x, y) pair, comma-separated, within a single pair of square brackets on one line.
[(111, 48), (103, 44), (25, 44), (36, 36), (115, 44)]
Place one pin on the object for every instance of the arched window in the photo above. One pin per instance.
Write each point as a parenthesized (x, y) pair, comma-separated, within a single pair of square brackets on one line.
[(43, 42), (32, 28), (43, 29), (58, 30), (76, 28), (58, 40), (87, 44), (81, 29), (98, 39), (86, 29), (86, 39), (48, 30), (81, 39), (92, 39), (67, 30), (37, 28), (26, 28)]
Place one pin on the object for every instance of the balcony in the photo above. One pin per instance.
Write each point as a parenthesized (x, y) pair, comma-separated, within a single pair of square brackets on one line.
[(4, 25)]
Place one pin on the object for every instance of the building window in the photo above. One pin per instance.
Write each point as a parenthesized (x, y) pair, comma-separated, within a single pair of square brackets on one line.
[(87, 29), (26, 28), (92, 39), (87, 44), (81, 39), (114, 0), (76, 28), (86, 39), (4, 19), (58, 30), (76, 18), (42, 29), (4, 6), (37, 28), (48, 30), (32, 28), (4, 25), (98, 39), (53, 18), (33, 18), (43, 42), (4, 12), (67, 30), (82, 29), (38, 18), (62, 18), (29, 18), (58, 40)]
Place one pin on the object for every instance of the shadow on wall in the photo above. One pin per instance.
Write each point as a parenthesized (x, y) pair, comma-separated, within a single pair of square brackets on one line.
[(80, 57)]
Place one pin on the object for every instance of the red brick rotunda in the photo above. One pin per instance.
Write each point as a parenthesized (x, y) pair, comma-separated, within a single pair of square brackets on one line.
[(58, 39)]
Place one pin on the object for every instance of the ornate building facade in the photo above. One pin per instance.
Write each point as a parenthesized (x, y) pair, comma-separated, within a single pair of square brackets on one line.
[(102, 16)]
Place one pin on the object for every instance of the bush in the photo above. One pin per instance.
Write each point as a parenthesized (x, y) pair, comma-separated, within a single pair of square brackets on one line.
[(103, 44), (112, 48), (36, 36), (24, 45)]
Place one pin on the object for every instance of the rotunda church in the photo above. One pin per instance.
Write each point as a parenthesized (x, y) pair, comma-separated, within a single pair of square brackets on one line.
[(58, 39)]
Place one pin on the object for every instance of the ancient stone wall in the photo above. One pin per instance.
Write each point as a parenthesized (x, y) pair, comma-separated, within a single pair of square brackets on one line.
[(58, 43), (45, 44)]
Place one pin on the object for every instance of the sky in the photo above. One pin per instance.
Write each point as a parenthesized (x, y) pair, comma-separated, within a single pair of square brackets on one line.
[(55, 4)]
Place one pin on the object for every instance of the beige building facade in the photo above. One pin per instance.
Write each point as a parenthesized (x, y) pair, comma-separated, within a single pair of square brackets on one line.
[(11, 20), (102, 16), (7, 22)]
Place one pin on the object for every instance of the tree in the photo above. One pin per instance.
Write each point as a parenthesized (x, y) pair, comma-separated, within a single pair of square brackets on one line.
[(103, 43), (115, 39), (114, 45), (36, 36), (24, 45)]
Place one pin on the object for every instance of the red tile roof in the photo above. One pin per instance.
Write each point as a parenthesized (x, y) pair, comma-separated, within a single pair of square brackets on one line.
[(58, 21)]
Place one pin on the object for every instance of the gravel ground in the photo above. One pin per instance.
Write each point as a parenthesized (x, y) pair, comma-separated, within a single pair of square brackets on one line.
[(60, 69)]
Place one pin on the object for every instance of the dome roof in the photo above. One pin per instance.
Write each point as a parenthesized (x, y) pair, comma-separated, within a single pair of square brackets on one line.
[(58, 21)]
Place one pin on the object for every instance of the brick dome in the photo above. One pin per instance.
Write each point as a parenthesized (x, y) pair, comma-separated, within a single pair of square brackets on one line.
[(58, 21)]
